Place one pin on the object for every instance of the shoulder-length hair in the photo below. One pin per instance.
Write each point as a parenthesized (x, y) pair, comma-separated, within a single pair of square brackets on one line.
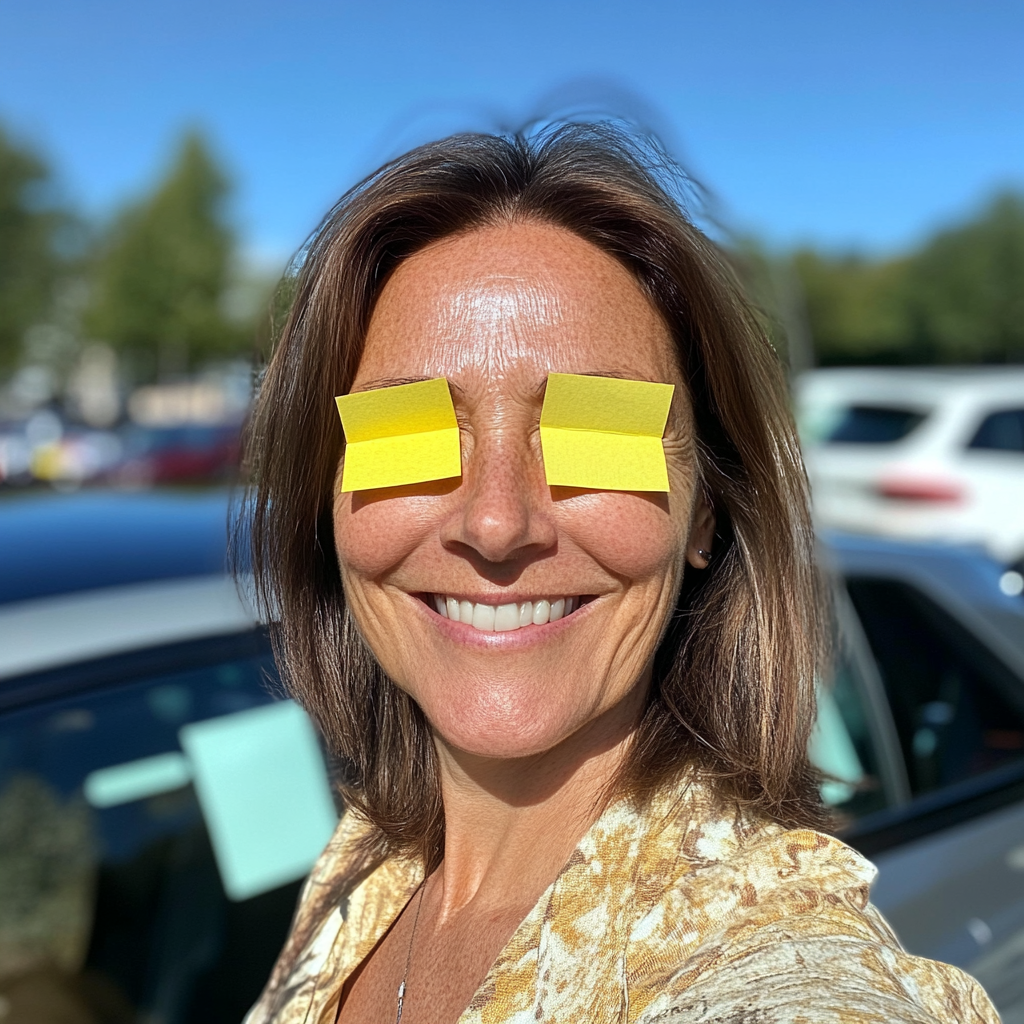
[(733, 686)]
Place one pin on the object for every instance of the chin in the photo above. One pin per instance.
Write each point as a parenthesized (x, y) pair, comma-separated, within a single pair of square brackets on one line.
[(502, 722)]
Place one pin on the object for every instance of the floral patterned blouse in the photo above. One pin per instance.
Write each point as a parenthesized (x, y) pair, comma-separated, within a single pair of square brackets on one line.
[(683, 911)]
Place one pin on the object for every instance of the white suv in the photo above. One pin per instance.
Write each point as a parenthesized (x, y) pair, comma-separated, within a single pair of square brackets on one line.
[(934, 454)]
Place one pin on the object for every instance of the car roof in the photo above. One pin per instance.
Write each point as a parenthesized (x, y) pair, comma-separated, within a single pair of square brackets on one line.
[(912, 385), (44, 634), (975, 573), (94, 574), (62, 543), (963, 579)]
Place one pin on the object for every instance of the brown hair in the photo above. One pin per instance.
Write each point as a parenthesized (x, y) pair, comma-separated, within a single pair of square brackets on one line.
[(733, 687)]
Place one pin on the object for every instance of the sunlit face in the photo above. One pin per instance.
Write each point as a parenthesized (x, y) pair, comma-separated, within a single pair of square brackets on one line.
[(494, 311)]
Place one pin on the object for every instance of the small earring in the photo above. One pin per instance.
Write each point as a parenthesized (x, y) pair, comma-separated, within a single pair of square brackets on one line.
[(706, 555)]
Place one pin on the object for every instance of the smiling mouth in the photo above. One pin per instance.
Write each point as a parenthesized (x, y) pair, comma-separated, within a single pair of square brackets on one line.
[(504, 618)]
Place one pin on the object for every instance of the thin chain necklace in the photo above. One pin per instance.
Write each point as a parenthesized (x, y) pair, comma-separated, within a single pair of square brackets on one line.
[(408, 955)]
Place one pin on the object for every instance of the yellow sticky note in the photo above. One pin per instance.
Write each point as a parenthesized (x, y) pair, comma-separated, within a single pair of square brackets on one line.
[(604, 433), (402, 435)]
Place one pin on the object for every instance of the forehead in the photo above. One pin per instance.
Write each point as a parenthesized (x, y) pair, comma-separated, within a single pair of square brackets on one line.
[(514, 301)]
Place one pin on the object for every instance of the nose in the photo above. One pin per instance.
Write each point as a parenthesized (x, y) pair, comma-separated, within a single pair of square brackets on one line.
[(505, 516)]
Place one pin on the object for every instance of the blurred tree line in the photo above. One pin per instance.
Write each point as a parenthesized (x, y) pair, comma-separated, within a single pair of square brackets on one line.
[(33, 252), (160, 282), (161, 273), (958, 299)]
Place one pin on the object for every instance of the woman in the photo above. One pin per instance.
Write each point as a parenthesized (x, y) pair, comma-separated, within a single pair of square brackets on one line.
[(607, 816)]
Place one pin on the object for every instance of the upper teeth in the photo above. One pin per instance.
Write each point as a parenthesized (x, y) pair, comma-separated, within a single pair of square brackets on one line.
[(504, 617)]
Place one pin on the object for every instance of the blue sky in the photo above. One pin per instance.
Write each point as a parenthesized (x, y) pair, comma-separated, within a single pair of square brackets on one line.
[(846, 124)]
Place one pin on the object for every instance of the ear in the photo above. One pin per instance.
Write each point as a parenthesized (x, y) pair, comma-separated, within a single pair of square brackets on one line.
[(699, 549)]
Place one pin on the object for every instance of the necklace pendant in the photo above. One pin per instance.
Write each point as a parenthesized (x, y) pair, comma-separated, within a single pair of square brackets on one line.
[(408, 956), (401, 1000)]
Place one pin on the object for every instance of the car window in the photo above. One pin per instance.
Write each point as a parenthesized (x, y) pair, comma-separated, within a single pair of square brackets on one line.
[(844, 745), (958, 711), (1001, 431), (874, 424), (141, 872)]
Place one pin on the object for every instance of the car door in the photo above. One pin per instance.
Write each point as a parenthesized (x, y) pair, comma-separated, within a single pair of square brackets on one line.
[(951, 857), (157, 812)]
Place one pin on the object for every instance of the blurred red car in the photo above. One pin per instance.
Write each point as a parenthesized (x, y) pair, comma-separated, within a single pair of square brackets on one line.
[(182, 454)]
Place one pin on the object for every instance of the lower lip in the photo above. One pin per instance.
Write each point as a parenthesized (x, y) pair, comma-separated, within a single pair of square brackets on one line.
[(513, 639)]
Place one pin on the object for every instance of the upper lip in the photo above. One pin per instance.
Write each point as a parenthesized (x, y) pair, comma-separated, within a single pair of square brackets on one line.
[(508, 598)]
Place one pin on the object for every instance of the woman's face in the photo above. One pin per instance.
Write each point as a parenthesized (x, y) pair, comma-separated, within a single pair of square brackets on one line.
[(494, 311)]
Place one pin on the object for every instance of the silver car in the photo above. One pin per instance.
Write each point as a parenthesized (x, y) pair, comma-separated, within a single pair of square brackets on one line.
[(931, 693)]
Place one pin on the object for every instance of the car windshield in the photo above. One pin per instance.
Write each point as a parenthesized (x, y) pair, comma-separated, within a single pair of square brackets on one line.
[(874, 424)]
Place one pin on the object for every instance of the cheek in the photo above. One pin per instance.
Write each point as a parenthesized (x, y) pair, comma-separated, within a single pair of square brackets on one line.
[(371, 537), (633, 537)]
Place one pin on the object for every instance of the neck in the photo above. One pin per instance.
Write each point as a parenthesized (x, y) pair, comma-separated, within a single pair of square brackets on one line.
[(511, 824)]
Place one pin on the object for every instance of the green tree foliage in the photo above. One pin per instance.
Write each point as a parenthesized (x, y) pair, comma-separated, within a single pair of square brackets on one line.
[(162, 273), (965, 289), (958, 299), (30, 262), (856, 308)]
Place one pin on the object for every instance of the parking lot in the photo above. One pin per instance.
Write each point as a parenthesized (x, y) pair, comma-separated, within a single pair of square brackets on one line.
[(162, 801)]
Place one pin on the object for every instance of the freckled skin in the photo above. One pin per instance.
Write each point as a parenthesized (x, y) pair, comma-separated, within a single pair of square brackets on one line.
[(494, 311), (528, 734)]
